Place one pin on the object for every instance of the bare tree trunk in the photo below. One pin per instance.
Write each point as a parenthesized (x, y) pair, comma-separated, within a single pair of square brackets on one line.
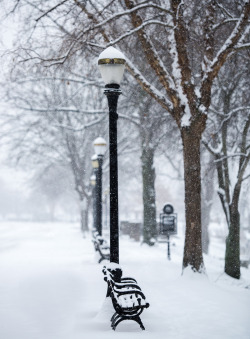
[(232, 256), (149, 212), (84, 215), (82, 220), (206, 202), (191, 151), (205, 223)]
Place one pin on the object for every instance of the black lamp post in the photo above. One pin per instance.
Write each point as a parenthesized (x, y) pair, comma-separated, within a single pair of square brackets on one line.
[(93, 184), (100, 147), (112, 64)]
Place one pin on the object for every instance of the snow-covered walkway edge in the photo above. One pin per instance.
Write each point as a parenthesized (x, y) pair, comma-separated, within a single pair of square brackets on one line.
[(51, 287)]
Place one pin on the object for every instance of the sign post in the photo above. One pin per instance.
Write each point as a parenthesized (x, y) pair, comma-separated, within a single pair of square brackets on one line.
[(168, 224)]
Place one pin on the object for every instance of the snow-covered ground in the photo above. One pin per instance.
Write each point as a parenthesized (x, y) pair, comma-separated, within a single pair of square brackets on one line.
[(51, 287)]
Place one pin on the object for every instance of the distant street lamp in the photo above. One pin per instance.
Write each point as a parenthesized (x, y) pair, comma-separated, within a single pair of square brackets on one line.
[(93, 184), (94, 161), (100, 148), (112, 64), (93, 180), (105, 201), (95, 164)]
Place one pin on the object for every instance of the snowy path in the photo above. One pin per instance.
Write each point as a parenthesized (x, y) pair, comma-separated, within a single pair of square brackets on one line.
[(51, 287)]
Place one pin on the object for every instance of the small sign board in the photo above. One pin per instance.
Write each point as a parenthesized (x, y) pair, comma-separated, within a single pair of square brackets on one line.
[(168, 224), (168, 221)]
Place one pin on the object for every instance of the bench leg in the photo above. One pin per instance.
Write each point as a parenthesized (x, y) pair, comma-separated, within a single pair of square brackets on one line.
[(116, 319), (138, 320), (100, 260), (103, 258)]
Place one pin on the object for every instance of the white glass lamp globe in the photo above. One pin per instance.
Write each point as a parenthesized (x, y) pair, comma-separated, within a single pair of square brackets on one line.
[(93, 180), (100, 146), (111, 63), (94, 161)]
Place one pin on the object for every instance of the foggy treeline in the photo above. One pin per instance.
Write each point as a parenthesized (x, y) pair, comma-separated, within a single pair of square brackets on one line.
[(184, 111)]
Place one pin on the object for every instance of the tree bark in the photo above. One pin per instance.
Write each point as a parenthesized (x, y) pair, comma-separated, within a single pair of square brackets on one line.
[(191, 137), (149, 212), (232, 256)]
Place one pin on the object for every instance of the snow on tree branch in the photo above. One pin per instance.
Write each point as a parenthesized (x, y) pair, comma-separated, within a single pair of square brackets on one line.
[(211, 149), (224, 10), (62, 109), (228, 21), (149, 88), (131, 32), (233, 155), (51, 10), (123, 13), (151, 54), (243, 46), (228, 45), (84, 83), (91, 124), (178, 76)]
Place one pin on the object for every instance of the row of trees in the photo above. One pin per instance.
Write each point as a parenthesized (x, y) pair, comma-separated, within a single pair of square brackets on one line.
[(46, 136), (191, 61)]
